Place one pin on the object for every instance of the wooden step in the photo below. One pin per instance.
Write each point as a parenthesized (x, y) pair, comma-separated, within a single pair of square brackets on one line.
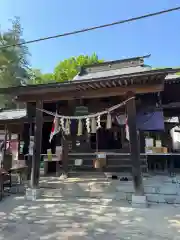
[(115, 163)]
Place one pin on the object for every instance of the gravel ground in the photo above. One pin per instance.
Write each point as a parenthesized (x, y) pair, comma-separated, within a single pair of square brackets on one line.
[(76, 219)]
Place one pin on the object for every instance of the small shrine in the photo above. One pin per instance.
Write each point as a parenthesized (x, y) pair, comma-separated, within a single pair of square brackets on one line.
[(100, 111)]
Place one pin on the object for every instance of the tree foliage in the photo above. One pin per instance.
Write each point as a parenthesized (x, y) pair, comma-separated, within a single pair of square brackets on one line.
[(13, 60), (69, 68), (37, 77), (64, 71)]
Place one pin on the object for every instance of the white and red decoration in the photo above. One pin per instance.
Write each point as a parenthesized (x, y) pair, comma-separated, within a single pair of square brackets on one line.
[(127, 129), (55, 127), (93, 121)]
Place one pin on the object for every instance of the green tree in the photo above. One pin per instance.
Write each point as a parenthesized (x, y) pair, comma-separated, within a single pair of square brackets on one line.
[(68, 69), (37, 77), (64, 71), (14, 63)]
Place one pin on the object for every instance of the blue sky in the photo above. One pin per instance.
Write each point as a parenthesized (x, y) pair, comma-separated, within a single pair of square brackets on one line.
[(159, 36)]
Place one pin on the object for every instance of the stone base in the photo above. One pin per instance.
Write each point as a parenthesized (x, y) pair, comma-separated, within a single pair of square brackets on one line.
[(18, 189), (33, 193), (139, 201)]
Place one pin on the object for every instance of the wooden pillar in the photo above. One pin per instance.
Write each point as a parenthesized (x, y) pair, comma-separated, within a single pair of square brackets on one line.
[(65, 151), (19, 141), (134, 145), (28, 132), (5, 144), (142, 141), (9, 136), (37, 146), (64, 142), (71, 107)]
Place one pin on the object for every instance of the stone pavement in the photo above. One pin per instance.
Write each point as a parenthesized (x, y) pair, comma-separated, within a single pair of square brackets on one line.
[(157, 188), (76, 219)]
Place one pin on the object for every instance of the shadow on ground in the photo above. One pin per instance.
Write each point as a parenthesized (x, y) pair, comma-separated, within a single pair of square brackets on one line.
[(50, 218)]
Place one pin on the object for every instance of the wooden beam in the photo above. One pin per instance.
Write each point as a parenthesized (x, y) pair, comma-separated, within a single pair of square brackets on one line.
[(134, 145), (30, 120), (92, 93)]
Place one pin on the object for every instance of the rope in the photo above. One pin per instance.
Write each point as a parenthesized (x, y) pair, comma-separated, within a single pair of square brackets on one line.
[(90, 115)]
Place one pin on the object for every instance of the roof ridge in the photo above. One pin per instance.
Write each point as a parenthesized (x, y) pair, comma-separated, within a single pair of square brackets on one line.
[(117, 61)]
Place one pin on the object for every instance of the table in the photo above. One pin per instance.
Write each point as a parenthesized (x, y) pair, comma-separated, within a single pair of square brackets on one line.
[(47, 161)]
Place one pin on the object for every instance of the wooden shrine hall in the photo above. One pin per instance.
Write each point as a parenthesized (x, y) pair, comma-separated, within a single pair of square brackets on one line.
[(96, 88)]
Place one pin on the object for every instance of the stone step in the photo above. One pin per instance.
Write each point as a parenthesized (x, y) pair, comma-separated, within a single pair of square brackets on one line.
[(163, 198), (76, 193), (108, 192), (151, 198), (158, 189), (101, 185)]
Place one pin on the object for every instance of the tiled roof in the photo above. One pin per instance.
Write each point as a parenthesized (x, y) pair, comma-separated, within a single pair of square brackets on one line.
[(12, 114), (172, 79), (110, 73)]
